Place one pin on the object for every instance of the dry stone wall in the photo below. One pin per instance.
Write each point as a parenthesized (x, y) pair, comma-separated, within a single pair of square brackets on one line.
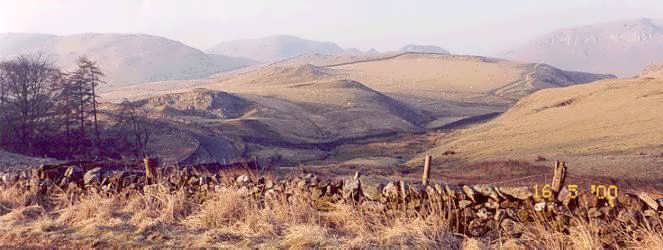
[(475, 210)]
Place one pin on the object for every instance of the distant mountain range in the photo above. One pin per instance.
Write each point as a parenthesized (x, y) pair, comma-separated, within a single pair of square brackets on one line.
[(273, 48), (623, 48), (280, 47), (136, 58), (124, 58)]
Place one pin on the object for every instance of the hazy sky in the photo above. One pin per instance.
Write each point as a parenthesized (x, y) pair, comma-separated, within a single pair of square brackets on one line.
[(462, 26)]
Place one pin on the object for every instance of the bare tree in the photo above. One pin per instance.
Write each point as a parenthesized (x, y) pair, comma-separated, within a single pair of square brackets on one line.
[(27, 89), (133, 120)]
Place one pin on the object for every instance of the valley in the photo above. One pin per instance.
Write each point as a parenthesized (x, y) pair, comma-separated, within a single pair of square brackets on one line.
[(293, 112)]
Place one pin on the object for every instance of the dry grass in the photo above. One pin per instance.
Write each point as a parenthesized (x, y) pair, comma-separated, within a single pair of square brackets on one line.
[(608, 128), (231, 219)]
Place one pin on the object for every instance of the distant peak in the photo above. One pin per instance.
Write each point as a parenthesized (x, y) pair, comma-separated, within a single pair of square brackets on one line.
[(424, 49)]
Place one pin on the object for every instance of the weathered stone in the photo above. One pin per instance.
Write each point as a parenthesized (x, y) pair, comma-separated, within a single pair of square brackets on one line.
[(486, 190), (521, 193), (372, 190), (464, 203), (469, 192), (243, 179), (648, 200), (390, 191), (94, 175)]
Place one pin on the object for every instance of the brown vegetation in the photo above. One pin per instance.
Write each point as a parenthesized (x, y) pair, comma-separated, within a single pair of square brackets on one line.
[(236, 208)]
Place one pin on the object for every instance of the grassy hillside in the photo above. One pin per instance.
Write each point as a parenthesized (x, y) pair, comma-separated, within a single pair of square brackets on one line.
[(610, 128)]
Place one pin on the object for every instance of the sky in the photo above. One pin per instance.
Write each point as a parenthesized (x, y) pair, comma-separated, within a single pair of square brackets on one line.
[(476, 27)]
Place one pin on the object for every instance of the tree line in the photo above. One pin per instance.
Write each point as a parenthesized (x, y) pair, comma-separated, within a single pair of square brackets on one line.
[(45, 111)]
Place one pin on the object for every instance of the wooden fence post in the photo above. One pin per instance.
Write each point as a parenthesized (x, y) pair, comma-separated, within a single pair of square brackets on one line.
[(559, 176), (151, 165), (424, 177), (401, 185)]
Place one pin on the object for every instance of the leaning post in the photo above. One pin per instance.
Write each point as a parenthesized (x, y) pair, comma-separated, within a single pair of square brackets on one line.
[(426, 174), (559, 175)]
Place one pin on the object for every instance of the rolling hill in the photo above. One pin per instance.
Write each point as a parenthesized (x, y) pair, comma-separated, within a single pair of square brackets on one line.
[(453, 87), (274, 48), (219, 126), (600, 48), (296, 111), (607, 128), (124, 58)]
